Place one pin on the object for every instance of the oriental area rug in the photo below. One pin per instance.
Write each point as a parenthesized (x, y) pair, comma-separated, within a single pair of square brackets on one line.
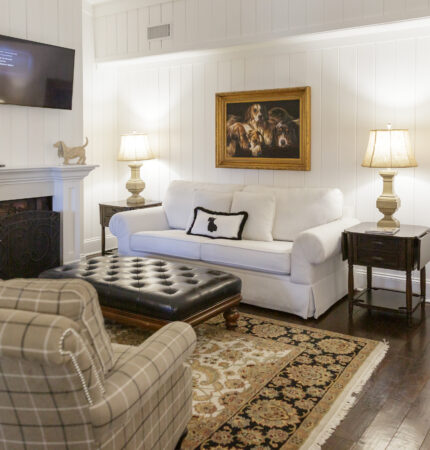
[(269, 384)]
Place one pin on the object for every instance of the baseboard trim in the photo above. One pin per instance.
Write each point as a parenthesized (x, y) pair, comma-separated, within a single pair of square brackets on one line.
[(94, 245), (389, 280)]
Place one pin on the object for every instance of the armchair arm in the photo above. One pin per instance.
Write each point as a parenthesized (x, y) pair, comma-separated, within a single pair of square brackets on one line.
[(139, 373), (51, 341), (320, 243), (147, 219)]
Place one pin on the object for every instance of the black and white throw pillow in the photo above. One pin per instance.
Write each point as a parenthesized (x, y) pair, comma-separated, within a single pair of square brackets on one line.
[(217, 225)]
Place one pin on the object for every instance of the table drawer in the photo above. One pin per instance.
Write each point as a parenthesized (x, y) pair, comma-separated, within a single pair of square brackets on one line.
[(376, 244), (385, 260)]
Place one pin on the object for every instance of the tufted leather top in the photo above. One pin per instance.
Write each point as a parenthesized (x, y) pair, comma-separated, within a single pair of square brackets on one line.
[(161, 289)]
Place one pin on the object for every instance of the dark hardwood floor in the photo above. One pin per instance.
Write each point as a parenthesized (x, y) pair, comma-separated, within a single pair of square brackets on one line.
[(393, 409)]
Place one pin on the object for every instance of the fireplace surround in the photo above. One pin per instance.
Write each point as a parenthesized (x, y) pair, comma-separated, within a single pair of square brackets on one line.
[(65, 185)]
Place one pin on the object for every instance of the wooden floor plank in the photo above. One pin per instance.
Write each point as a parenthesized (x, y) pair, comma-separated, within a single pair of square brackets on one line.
[(416, 424)]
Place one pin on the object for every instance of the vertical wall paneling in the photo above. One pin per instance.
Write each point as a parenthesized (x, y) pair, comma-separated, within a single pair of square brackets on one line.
[(210, 88), (122, 33), (248, 9), (179, 25), (197, 24), (298, 14), (191, 20), (333, 11), (198, 128), (186, 118), (133, 31), (365, 191), (143, 23), (264, 16), (314, 79), (352, 10), (405, 118), (373, 8), (175, 123), (280, 15), (164, 128), (330, 117), (234, 19), (155, 19), (422, 130), (347, 123), (315, 13), (167, 17)]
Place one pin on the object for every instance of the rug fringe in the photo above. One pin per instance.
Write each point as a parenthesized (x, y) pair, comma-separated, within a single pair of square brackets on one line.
[(347, 402)]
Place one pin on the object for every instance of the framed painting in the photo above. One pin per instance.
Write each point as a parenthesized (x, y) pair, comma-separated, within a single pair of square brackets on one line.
[(267, 129)]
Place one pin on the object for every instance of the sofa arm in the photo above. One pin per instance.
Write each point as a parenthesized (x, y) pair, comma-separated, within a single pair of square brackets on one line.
[(139, 372), (320, 243), (146, 219)]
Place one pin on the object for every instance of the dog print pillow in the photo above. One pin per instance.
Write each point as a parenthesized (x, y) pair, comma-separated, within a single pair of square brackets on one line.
[(217, 225)]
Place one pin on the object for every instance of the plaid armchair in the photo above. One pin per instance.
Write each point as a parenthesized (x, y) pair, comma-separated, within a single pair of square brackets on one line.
[(64, 385)]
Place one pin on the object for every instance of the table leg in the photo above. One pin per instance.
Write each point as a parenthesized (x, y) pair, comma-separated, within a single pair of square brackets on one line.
[(423, 287), (369, 277), (103, 241), (409, 296), (350, 288)]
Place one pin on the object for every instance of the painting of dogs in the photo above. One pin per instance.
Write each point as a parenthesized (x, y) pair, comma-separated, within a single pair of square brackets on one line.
[(268, 129)]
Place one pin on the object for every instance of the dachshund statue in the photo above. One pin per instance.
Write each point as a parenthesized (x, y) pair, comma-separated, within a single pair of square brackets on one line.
[(69, 153)]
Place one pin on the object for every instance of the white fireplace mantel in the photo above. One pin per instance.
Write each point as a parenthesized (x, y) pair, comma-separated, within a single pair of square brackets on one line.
[(65, 185)]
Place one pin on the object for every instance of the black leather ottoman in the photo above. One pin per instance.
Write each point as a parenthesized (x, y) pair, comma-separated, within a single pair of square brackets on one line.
[(151, 292)]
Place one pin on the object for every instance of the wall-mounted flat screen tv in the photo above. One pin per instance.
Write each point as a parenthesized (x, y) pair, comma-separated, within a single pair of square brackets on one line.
[(34, 74)]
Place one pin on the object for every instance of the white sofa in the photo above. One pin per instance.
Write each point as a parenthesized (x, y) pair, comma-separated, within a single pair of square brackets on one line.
[(304, 275)]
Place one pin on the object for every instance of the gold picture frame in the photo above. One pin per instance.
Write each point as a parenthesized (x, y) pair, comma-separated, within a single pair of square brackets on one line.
[(265, 129)]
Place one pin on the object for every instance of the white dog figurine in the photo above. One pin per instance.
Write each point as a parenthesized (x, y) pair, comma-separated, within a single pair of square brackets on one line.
[(69, 153)]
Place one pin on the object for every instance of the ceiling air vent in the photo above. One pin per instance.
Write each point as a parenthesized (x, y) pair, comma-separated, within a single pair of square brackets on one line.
[(159, 31)]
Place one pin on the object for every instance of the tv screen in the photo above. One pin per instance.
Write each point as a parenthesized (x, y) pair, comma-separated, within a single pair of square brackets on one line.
[(34, 74)]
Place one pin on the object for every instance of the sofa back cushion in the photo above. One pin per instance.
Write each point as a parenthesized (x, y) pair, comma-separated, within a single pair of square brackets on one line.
[(178, 202), (298, 209)]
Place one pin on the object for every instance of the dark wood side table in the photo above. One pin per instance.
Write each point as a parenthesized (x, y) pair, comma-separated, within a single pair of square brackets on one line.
[(107, 210), (407, 250)]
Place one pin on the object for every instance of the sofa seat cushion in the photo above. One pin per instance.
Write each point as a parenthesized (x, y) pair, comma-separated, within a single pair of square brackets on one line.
[(273, 257), (167, 242)]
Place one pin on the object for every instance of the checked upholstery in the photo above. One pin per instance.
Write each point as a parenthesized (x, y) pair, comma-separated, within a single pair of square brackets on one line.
[(64, 385)]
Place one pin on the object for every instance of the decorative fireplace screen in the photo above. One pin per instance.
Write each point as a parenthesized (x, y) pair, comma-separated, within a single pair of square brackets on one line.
[(29, 237)]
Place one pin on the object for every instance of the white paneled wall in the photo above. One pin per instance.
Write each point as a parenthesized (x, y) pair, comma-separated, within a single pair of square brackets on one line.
[(120, 27), (27, 134), (358, 82)]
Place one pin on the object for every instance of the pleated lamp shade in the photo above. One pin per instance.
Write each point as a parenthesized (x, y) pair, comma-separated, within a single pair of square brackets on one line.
[(134, 147), (389, 149)]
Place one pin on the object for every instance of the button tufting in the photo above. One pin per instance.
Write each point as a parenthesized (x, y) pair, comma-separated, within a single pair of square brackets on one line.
[(188, 275), (170, 291), (111, 279), (214, 272)]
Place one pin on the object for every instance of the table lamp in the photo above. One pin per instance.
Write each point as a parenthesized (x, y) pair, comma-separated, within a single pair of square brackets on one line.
[(388, 149), (135, 147)]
